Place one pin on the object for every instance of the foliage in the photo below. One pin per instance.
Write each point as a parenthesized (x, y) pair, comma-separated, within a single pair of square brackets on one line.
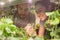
[(7, 28), (52, 24), (39, 38), (8, 31)]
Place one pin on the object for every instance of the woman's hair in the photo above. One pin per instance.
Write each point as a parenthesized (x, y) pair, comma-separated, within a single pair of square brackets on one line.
[(40, 7), (39, 3), (47, 4)]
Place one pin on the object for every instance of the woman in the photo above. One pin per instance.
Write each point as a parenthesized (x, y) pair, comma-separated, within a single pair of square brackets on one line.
[(40, 12), (23, 17)]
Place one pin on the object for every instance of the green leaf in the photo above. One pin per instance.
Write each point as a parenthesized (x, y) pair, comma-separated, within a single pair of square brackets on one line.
[(1, 32), (52, 34), (13, 38), (1, 23), (37, 26), (30, 38), (54, 22), (8, 30), (48, 29), (12, 27), (49, 13), (6, 20), (39, 38)]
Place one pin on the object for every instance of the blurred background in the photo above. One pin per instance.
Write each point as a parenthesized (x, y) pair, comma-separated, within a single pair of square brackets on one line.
[(7, 7)]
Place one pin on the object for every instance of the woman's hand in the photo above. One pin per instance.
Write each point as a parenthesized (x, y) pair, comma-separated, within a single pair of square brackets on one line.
[(29, 30), (41, 31)]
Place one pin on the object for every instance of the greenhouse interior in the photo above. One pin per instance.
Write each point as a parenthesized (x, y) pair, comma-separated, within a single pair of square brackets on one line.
[(29, 19)]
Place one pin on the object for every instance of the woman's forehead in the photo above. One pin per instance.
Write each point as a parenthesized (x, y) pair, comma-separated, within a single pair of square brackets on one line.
[(23, 5)]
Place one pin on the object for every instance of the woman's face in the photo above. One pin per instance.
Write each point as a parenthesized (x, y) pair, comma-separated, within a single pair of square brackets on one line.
[(41, 12), (42, 16), (23, 10)]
